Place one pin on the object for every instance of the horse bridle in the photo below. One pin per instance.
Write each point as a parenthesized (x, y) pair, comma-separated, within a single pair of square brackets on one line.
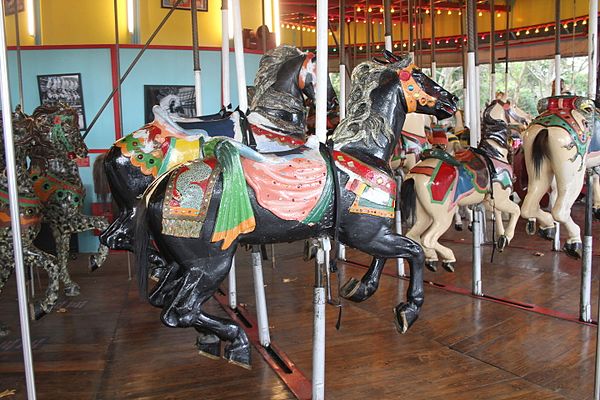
[(413, 92)]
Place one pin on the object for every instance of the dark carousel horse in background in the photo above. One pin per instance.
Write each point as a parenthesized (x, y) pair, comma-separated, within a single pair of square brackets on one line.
[(276, 121), (30, 207), (201, 211), (58, 185)]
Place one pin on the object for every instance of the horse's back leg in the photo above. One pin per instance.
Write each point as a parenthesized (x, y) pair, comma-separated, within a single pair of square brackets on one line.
[(596, 204), (441, 223), (537, 187), (61, 240), (503, 203), (39, 258)]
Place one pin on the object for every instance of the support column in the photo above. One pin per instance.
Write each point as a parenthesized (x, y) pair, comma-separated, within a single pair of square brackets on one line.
[(592, 48), (196, 55), (387, 9), (492, 51), (240, 66), (471, 72), (225, 88)]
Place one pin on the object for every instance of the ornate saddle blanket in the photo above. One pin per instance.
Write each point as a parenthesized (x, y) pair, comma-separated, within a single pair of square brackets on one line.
[(455, 177), (29, 210), (558, 112), (49, 187), (375, 190), (155, 150), (295, 187)]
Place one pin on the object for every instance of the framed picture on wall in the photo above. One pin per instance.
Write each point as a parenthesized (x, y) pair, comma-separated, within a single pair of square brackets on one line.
[(10, 5), (176, 100), (63, 88), (186, 4)]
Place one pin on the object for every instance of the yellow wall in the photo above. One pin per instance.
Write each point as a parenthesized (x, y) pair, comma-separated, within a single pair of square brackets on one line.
[(65, 22)]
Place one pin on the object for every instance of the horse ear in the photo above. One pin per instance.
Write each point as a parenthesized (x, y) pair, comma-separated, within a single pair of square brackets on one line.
[(390, 56), (380, 61)]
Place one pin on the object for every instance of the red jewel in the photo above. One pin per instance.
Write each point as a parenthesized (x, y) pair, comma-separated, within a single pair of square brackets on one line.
[(404, 75)]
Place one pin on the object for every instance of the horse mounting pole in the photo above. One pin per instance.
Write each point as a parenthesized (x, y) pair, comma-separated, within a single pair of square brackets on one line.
[(225, 89), (118, 62), (342, 52), (466, 102), (506, 43), (492, 51), (240, 66), (585, 302), (387, 9), (592, 48), (261, 302), (318, 362), (368, 30), (432, 16), (471, 72), (196, 54), (411, 49), (19, 61), (476, 283), (131, 66), (557, 72), (13, 195)]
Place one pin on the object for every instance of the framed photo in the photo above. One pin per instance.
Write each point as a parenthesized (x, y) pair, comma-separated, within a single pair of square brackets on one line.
[(177, 100), (63, 88), (185, 4), (12, 6)]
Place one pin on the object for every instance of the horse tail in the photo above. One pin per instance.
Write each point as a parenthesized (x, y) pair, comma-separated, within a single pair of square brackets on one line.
[(142, 241), (408, 199), (101, 186), (540, 150)]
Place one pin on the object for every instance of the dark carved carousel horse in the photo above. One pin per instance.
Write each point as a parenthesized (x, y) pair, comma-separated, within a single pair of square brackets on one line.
[(276, 121), (201, 211), (58, 185), (30, 207)]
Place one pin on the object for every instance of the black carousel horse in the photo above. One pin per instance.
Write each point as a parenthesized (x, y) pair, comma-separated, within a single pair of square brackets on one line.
[(201, 211), (30, 215), (276, 121), (58, 185)]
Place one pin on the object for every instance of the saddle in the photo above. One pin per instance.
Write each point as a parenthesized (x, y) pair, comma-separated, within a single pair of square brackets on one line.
[(29, 210)]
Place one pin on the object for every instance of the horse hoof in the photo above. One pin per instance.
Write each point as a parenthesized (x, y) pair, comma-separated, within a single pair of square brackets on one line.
[(209, 345), (574, 250), (596, 213), (502, 243), (4, 331), (547, 233), (93, 265), (458, 227), (470, 226), (405, 315), (36, 310), (238, 355), (310, 249), (431, 265), (530, 227), (350, 290), (158, 273), (448, 265), (72, 290)]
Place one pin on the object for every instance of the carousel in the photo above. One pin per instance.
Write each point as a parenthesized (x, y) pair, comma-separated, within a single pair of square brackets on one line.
[(251, 179)]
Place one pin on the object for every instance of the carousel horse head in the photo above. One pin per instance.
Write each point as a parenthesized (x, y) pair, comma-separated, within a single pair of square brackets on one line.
[(496, 133), (502, 108), (395, 89), (284, 78), (60, 124)]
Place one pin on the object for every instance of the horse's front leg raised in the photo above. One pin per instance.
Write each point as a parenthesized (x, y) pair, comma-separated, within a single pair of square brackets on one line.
[(82, 223), (384, 244), (38, 258), (503, 203), (61, 239)]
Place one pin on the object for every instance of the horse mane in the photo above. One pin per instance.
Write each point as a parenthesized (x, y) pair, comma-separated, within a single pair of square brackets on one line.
[(361, 124), (269, 64), (494, 129), (54, 108)]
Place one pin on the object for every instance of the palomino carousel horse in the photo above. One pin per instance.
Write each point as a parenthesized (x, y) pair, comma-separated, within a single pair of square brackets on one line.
[(58, 185), (441, 183), (30, 218), (556, 146), (276, 121), (201, 211)]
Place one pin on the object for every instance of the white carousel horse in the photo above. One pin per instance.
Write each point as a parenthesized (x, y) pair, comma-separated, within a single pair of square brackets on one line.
[(437, 185), (556, 146)]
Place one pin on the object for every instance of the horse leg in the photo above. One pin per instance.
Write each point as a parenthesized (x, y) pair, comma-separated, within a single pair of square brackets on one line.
[(503, 203), (82, 223), (440, 224), (422, 222), (458, 225), (237, 351), (7, 266), (61, 239), (361, 290), (530, 209), (569, 186), (37, 257)]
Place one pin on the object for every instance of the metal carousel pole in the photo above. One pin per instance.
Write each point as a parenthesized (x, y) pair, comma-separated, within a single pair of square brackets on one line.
[(411, 49), (387, 9), (473, 98), (586, 260), (225, 88), (556, 91), (433, 63), (13, 195), (492, 51), (196, 55), (466, 102), (319, 295), (506, 44)]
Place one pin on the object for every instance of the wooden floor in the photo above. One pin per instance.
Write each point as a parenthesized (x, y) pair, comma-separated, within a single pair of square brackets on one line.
[(109, 344)]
